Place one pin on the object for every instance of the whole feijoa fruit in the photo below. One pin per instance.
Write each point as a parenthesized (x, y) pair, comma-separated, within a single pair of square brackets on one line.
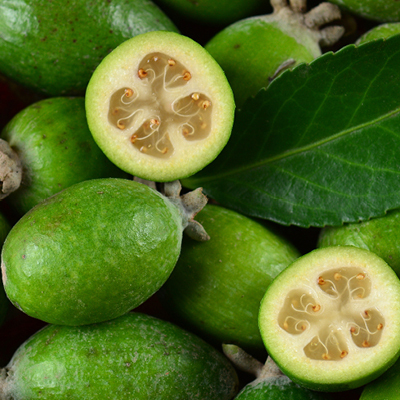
[(380, 235), (254, 50), (216, 286), (160, 107), (53, 47), (132, 357), (52, 140), (330, 320), (382, 31), (377, 10), (92, 252)]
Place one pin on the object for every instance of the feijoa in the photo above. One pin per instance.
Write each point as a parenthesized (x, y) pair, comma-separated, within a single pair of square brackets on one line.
[(379, 235), (159, 106), (330, 320), (92, 252), (132, 357), (216, 286), (254, 50), (53, 47), (52, 140), (376, 10)]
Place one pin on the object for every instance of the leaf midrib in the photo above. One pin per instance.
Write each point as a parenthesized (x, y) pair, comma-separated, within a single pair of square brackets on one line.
[(290, 153)]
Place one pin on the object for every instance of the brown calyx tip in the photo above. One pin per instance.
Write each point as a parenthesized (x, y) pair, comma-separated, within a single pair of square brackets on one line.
[(10, 170)]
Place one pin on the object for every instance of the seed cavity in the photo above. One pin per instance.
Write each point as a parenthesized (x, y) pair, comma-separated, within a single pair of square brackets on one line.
[(322, 312), (153, 113)]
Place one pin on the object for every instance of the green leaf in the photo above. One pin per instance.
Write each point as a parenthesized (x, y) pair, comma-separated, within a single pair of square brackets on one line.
[(320, 146)]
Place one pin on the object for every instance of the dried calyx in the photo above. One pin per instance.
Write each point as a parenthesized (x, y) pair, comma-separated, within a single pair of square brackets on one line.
[(10, 170), (189, 204), (316, 21)]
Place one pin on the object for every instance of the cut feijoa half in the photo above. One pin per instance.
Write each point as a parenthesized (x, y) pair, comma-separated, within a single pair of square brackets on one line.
[(330, 320), (160, 107)]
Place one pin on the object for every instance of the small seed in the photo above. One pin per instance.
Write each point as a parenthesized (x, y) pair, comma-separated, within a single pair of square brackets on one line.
[(321, 281), (115, 111), (379, 327), (185, 132), (337, 276), (142, 73), (360, 276), (353, 330), (203, 125), (316, 308), (186, 76), (343, 354), (154, 122), (205, 104), (365, 343), (164, 150), (120, 125), (143, 149), (303, 327), (195, 96), (171, 62), (366, 313), (285, 326), (128, 92), (134, 138), (326, 356)]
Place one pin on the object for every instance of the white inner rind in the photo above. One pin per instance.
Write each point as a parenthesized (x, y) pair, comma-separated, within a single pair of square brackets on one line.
[(331, 317), (178, 156)]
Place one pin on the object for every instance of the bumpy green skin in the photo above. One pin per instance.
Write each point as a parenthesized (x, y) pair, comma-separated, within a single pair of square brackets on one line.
[(56, 148), (213, 12), (54, 47), (386, 387), (377, 10), (5, 227), (92, 252), (279, 388), (133, 357), (380, 32), (268, 43), (379, 235), (216, 286)]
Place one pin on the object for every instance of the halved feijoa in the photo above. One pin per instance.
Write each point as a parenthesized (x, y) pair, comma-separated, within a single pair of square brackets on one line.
[(330, 320), (160, 106)]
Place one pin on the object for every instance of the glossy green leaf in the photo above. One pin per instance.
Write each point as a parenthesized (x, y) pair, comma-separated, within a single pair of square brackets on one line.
[(320, 146)]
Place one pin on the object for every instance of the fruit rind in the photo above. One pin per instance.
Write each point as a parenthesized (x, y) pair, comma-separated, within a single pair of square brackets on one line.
[(120, 69), (355, 369)]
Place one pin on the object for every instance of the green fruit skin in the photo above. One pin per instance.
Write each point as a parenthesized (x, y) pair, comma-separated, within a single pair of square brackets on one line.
[(379, 235), (213, 12), (53, 47), (382, 31), (56, 149), (377, 10), (279, 388), (216, 286), (92, 252), (5, 228), (132, 357), (386, 387), (250, 52)]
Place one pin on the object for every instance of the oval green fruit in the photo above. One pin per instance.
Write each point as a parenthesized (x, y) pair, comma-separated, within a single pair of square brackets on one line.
[(330, 320), (92, 252), (53, 47), (160, 107), (132, 357), (56, 149), (379, 235), (253, 51), (381, 31), (216, 286), (377, 10)]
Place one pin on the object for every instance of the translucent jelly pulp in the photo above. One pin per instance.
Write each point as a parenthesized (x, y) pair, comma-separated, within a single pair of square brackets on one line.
[(332, 315), (153, 112)]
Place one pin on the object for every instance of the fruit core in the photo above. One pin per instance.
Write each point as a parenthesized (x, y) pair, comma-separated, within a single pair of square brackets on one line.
[(333, 314), (153, 112)]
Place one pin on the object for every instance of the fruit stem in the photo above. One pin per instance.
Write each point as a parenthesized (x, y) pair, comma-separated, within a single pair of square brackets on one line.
[(247, 363), (189, 205), (10, 170)]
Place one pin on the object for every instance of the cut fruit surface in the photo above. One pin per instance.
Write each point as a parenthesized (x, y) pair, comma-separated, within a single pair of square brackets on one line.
[(330, 320), (160, 107)]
